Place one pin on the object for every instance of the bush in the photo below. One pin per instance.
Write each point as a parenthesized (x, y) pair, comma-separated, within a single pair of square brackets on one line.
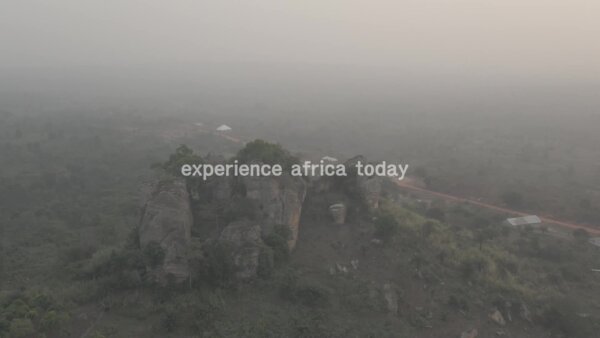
[(301, 291), (267, 153), (21, 327), (474, 263), (386, 227), (277, 240), (53, 320), (239, 208), (581, 235), (219, 268), (183, 155), (169, 319), (512, 199), (436, 213), (562, 318), (266, 262), (153, 254), (312, 295)]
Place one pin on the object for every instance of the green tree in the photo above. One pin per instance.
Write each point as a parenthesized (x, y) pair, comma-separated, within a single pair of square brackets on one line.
[(21, 327), (267, 153), (183, 155), (581, 235)]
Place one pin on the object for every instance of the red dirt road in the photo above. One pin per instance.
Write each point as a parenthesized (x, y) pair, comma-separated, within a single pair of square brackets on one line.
[(564, 224)]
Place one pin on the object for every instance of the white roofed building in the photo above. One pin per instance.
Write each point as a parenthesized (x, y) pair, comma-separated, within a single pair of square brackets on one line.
[(224, 127), (525, 220), (329, 159)]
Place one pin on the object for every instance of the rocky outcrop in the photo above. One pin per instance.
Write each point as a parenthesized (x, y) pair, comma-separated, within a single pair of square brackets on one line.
[(167, 221), (338, 213), (369, 187), (524, 313), (221, 187), (245, 241), (280, 201), (472, 333), (391, 298), (497, 317)]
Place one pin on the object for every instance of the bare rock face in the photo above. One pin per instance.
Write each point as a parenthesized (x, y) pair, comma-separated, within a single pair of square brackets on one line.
[(245, 240), (472, 333), (167, 221), (368, 187), (220, 186), (338, 213), (391, 298), (524, 313), (497, 317), (280, 201)]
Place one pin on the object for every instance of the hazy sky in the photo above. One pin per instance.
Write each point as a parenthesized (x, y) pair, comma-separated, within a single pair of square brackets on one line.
[(540, 38)]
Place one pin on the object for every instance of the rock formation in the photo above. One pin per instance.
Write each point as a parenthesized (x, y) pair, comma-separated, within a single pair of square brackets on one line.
[(368, 187), (338, 213), (391, 298), (244, 239), (167, 221), (497, 317), (472, 333), (280, 201)]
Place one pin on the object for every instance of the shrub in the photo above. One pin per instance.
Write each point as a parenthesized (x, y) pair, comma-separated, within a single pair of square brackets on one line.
[(436, 213), (581, 235), (169, 319), (183, 155), (512, 199), (277, 240), (53, 320), (153, 254), (267, 153), (312, 295), (386, 227), (560, 317), (266, 262), (219, 268), (239, 208), (21, 327), (302, 291)]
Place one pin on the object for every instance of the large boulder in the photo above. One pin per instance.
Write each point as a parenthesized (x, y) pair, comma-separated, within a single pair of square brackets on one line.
[(497, 317), (369, 187), (338, 213), (245, 241), (279, 200), (167, 221), (221, 187), (472, 333)]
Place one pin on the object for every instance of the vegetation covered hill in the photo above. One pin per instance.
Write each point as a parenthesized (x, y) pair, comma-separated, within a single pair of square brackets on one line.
[(72, 265)]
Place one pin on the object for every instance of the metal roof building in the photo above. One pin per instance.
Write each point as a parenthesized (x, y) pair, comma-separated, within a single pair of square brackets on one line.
[(224, 127), (329, 159), (525, 220)]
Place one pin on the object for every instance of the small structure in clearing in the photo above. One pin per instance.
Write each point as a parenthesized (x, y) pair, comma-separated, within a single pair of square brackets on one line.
[(595, 241), (224, 127), (525, 220), (329, 159)]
